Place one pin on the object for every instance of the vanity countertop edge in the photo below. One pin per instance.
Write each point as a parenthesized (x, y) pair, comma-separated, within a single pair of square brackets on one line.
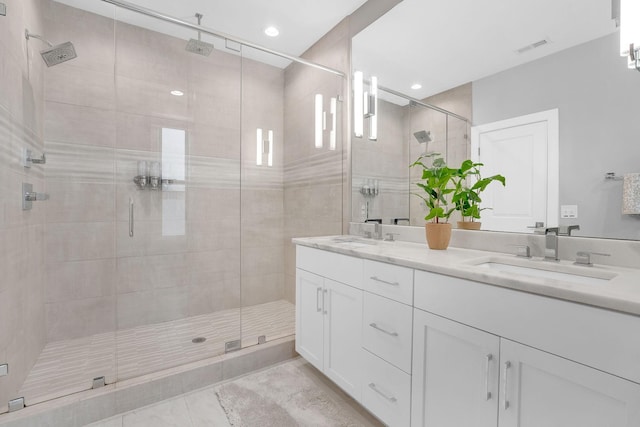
[(621, 293)]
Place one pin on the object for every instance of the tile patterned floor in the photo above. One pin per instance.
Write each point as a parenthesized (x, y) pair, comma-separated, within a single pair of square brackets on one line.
[(66, 367), (202, 408)]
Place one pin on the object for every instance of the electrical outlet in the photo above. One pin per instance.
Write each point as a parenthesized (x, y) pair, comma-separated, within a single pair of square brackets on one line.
[(569, 211)]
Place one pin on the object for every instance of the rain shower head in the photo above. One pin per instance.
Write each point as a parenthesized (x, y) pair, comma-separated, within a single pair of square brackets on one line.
[(423, 136), (198, 46), (54, 55), (58, 54)]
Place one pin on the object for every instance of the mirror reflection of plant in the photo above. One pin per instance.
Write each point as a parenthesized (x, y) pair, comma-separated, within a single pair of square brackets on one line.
[(438, 183), (467, 198)]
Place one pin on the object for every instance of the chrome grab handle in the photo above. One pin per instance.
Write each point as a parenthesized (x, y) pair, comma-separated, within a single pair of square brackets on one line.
[(374, 326), (318, 292), (375, 278), (32, 196), (489, 358), (505, 402), (41, 161), (323, 304), (391, 399), (130, 217)]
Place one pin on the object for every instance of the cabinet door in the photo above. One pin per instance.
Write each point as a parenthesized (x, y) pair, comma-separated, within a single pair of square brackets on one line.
[(540, 389), (309, 317), (343, 336), (455, 374)]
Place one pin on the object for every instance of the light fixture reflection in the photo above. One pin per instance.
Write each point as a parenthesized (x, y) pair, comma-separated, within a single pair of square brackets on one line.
[(270, 155), (177, 93), (358, 106), (416, 86), (630, 31), (373, 110)]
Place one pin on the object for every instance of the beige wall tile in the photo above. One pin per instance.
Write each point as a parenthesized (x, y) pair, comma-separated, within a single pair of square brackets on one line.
[(90, 316)]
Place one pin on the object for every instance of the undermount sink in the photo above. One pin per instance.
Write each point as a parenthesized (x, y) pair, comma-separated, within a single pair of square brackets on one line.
[(548, 270), (354, 241)]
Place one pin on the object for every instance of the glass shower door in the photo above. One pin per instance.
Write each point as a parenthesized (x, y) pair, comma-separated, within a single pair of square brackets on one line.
[(178, 198)]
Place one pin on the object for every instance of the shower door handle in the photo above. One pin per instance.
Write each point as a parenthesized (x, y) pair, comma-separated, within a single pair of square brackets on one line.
[(130, 217)]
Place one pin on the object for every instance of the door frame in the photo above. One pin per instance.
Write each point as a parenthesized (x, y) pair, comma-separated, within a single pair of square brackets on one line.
[(553, 153)]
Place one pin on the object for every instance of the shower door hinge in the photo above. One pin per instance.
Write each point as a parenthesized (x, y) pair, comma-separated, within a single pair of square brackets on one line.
[(16, 404), (4, 370), (230, 346), (3, 9), (98, 382)]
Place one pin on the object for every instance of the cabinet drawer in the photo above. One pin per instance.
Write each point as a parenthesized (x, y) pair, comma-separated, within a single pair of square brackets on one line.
[(338, 267), (387, 330), (386, 391), (389, 281)]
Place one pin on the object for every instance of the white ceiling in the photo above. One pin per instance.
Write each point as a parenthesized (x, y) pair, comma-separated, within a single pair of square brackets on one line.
[(443, 44), (301, 22)]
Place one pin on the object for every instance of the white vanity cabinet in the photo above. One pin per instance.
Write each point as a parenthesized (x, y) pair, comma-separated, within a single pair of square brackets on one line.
[(463, 375), (429, 350), (329, 316)]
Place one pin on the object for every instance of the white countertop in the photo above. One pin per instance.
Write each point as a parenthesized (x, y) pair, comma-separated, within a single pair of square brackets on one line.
[(621, 293)]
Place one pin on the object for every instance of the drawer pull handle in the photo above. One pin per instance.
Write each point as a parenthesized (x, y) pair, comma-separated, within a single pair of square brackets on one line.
[(375, 278), (505, 402), (391, 399), (489, 358), (318, 293), (374, 326)]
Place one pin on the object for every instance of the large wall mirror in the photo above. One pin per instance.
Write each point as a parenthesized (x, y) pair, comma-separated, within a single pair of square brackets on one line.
[(494, 61)]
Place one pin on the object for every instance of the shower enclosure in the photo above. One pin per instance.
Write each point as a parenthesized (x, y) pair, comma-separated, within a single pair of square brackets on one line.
[(165, 226)]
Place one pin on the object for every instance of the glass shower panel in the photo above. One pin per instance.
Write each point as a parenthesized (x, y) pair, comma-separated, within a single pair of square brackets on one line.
[(178, 197), (65, 332), (280, 164)]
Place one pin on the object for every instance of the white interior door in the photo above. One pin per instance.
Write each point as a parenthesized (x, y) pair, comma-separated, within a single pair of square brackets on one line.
[(525, 150)]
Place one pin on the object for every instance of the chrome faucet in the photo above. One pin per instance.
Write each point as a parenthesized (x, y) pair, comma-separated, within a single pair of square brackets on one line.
[(551, 244)]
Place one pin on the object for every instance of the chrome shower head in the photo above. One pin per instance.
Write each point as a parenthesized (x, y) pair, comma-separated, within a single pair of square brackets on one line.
[(54, 55), (198, 46), (58, 54), (423, 136)]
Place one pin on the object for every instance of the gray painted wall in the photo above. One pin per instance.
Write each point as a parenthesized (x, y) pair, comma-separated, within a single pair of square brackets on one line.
[(599, 107)]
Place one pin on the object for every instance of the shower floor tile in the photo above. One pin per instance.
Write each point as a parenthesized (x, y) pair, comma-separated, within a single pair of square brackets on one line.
[(69, 366)]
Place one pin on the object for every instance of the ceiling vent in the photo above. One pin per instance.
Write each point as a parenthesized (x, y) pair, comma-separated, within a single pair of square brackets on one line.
[(533, 45)]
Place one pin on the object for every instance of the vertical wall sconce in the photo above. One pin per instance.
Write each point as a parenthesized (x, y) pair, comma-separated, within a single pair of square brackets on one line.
[(630, 32), (334, 122), (264, 147), (259, 147), (365, 106), (320, 124)]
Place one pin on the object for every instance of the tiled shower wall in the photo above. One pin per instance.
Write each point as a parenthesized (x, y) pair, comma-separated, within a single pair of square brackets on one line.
[(22, 248), (104, 112)]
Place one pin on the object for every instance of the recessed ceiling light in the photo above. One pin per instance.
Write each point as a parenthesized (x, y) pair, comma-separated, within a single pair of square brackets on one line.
[(271, 31), (416, 86), (177, 93)]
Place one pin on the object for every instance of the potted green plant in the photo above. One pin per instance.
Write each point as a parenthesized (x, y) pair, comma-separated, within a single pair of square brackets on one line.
[(469, 183), (437, 183)]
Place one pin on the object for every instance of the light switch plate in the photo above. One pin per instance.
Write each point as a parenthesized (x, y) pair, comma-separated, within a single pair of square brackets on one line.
[(4, 370), (569, 211)]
